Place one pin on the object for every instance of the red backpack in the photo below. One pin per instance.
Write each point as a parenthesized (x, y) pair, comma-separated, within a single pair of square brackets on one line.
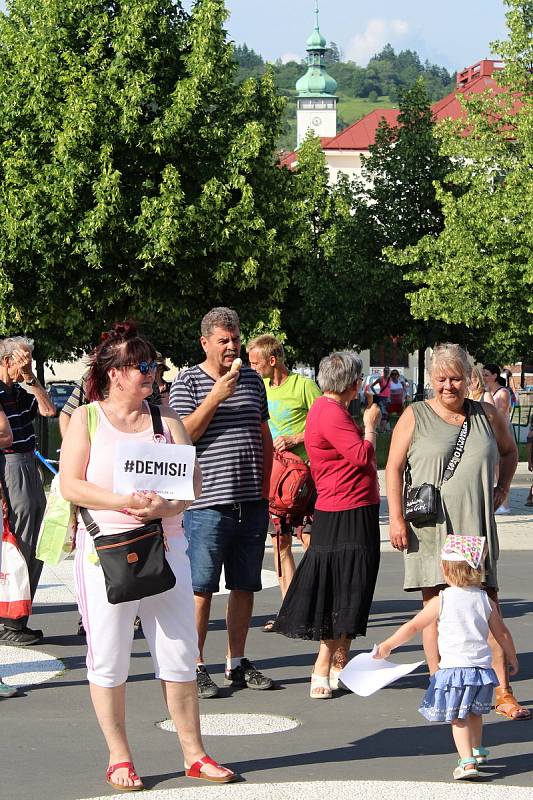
[(291, 486)]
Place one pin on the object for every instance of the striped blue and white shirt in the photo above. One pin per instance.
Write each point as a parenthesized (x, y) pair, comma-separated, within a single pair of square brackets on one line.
[(20, 408), (230, 451)]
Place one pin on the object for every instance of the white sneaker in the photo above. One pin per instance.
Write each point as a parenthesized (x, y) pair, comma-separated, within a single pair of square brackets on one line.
[(503, 510)]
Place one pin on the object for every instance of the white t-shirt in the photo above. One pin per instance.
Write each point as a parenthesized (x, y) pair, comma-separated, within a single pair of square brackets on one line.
[(464, 628)]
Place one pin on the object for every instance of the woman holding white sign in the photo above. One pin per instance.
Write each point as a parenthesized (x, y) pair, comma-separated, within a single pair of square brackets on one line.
[(119, 381)]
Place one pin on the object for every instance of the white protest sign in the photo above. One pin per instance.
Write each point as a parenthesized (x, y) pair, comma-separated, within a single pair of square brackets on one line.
[(164, 468), (364, 674)]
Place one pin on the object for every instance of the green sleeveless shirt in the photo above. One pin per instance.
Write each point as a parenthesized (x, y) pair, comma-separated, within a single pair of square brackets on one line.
[(466, 499)]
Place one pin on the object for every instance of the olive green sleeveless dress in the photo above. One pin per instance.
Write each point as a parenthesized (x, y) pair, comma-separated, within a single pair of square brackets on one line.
[(466, 499)]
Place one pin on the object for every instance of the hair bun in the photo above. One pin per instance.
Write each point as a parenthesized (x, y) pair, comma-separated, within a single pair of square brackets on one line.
[(120, 331)]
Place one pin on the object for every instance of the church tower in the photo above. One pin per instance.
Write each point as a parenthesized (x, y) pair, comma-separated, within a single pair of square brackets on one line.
[(316, 100)]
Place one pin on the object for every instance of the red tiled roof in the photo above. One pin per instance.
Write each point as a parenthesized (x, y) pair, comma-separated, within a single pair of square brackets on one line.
[(288, 159), (363, 132)]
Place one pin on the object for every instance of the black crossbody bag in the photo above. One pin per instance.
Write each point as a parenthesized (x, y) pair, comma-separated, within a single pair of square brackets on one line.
[(420, 503), (134, 562)]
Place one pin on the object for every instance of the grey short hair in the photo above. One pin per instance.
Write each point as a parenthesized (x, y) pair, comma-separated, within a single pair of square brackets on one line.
[(339, 371), (220, 317), (450, 356), (12, 343)]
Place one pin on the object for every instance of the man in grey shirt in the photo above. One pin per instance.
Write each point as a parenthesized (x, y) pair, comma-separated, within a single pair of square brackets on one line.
[(225, 413)]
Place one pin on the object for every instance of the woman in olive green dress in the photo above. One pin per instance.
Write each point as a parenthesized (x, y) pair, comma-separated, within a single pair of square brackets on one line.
[(425, 435)]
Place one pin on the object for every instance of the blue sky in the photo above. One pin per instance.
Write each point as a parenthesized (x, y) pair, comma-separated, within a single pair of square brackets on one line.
[(454, 33)]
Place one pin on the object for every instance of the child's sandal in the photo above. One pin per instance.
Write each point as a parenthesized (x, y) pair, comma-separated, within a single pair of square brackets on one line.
[(481, 754), (461, 773)]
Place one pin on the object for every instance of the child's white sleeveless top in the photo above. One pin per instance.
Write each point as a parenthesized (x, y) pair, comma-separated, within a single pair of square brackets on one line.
[(464, 628)]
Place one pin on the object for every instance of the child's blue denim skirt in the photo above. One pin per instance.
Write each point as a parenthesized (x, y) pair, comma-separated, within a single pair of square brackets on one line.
[(456, 693)]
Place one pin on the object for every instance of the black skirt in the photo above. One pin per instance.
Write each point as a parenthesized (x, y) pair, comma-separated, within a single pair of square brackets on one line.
[(331, 592)]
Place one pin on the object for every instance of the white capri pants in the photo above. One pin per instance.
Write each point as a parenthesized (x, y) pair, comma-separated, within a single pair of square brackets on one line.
[(167, 620)]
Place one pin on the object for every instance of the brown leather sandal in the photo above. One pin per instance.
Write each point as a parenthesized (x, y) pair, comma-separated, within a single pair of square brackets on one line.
[(506, 705)]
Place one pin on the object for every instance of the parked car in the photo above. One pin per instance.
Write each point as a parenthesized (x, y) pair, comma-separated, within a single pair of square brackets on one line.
[(60, 392)]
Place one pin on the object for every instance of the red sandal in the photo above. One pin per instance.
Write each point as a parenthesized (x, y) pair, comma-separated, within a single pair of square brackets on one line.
[(132, 775), (195, 771)]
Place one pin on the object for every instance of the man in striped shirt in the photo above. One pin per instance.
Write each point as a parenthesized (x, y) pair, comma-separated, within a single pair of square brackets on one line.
[(20, 478), (225, 413)]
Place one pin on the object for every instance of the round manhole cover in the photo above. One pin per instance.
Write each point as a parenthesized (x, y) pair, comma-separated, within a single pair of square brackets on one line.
[(22, 667), (238, 724)]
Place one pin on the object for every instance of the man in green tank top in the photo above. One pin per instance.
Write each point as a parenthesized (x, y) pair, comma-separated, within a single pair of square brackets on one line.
[(290, 396)]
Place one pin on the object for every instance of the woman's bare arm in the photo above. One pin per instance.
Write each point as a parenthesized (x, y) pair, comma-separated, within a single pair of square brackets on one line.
[(507, 449), (401, 439)]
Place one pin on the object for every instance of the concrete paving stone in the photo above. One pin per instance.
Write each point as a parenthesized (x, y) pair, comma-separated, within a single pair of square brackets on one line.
[(323, 790), (22, 666), (238, 724), (349, 746)]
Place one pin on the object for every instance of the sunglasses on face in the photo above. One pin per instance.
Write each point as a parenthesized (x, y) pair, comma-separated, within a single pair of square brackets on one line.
[(144, 367)]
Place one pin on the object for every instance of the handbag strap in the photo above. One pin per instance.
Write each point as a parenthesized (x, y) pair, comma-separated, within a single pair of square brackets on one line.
[(459, 445), (457, 452), (91, 526)]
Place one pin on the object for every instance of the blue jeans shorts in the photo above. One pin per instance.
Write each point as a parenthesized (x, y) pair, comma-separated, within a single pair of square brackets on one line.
[(232, 536)]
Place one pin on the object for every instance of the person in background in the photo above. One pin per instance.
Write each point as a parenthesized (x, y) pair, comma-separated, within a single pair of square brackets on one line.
[(163, 386), (509, 383), (383, 382), (330, 595), (500, 393), (6, 440), (398, 393), (529, 501), (224, 409), (502, 400), (22, 397), (477, 390), (290, 396)]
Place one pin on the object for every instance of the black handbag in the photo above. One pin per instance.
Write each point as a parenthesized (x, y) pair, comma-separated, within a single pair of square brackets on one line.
[(420, 503), (133, 562)]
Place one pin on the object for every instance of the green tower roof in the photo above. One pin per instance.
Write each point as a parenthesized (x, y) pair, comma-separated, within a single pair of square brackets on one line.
[(316, 40), (316, 81)]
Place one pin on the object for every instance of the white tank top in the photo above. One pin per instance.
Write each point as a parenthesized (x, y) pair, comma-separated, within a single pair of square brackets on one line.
[(100, 472), (464, 628)]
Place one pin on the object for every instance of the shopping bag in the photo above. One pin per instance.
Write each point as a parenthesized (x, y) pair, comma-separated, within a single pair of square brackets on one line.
[(58, 529), (15, 596)]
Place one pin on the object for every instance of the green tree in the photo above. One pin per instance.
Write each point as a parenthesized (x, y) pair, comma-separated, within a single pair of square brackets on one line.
[(136, 178), (479, 269), (398, 202), (320, 312), (333, 54), (247, 57)]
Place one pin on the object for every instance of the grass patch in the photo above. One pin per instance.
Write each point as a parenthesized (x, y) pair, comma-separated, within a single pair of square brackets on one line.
[(353, 108)]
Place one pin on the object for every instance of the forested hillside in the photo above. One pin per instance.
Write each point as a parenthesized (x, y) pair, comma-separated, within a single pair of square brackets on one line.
[(360, 89)]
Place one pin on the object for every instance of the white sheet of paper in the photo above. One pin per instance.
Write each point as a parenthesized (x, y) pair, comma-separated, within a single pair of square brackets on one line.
[(164, 468), (364, 675)]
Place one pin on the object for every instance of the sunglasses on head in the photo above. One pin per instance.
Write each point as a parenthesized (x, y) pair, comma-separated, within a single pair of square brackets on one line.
[(144, 367)]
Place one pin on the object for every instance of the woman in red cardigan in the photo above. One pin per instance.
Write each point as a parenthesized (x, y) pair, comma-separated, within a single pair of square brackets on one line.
[(330, 595)]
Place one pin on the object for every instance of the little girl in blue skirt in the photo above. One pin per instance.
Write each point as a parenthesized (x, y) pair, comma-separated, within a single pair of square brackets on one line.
[(461, 689)]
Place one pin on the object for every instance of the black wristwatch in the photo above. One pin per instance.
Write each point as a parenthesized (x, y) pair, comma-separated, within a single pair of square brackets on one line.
[(31, 382)]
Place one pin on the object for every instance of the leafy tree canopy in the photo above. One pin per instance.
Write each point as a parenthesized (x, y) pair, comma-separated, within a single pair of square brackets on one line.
[(136, 177), (479, 269)]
